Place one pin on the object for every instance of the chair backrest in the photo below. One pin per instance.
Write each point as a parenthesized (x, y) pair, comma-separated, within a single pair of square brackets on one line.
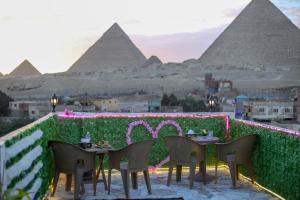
[(138, 154), (181, 148), (67, 156), (242, 147)]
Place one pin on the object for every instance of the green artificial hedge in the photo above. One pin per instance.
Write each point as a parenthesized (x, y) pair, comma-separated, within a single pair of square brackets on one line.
[(114, 130), (50, 129), (276, 159), (276, 156)]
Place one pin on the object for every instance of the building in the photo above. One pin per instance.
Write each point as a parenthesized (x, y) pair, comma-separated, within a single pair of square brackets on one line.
[(107, 105), (239, 105), (224, 86), (154, 105), (22, 108), (211, 84), (269, 110), (134, 106)]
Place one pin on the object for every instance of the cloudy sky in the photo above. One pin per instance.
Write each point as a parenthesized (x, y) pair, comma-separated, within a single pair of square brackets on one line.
[(52, 34)]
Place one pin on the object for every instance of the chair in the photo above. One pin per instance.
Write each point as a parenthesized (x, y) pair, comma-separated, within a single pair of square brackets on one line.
[(72, 160), (234, 153), (137, 155), (184, 151)]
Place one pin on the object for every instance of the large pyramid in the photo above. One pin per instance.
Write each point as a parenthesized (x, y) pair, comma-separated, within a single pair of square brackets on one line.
[(113, 50), (25, 69), (260, 36)]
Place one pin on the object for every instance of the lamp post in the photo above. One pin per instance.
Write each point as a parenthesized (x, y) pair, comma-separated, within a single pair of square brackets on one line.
[(211, 103), (54, 102)]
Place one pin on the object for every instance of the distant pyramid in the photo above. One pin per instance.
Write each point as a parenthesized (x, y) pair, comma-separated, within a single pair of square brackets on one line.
[(113, 50), (25, 69), (260, 35), (152, 60)]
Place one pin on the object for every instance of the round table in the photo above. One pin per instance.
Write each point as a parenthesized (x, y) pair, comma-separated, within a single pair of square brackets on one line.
[(204, 141), (88, 176)]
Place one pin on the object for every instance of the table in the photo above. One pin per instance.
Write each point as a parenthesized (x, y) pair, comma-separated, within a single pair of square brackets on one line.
[(100, 152), (204, 141)]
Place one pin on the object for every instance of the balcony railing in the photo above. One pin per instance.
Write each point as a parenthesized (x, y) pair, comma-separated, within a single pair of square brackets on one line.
[(26, 160)]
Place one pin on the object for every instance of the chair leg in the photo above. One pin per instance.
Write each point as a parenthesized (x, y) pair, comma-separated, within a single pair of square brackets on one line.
[(78, 180), (251, 171), (232, 168), (178, 172), (94, 181), (109, 180), (126, 182), (104, 178), (147, 180), (216, 172), (134, 180), (68, 182), (55, 181), (237, 172), (170, 175), (192, 173), (202, 166)]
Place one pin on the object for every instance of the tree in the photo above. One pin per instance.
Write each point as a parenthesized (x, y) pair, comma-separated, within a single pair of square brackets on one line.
[(165, 100), (4, 104), (173, 101), (189, 104)]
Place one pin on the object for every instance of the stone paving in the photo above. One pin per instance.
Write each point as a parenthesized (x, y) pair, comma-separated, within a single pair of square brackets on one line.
[(222, 190)]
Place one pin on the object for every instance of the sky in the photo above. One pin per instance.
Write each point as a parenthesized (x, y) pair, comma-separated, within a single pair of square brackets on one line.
[(53, 34)]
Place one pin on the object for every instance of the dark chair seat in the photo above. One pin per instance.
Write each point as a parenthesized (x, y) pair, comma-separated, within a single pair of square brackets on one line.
[(184, 151), (235, 153), (137, 155), (72, 160)]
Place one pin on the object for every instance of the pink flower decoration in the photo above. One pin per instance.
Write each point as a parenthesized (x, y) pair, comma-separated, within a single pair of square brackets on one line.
[(154, 133)]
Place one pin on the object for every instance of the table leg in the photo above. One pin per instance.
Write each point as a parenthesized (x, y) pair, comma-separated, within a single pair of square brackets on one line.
[(68, 182), (101, 169), (202, 176), (134, 180)]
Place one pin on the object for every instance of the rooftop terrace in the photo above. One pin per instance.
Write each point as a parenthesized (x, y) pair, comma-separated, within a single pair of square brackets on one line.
[(26, 160)]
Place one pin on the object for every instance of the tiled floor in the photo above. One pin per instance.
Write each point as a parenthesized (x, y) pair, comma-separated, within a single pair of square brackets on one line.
[(221, 190)]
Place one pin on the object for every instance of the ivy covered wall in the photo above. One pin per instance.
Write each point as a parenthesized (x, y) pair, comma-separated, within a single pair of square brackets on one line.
[(114, 130), (276, 159)]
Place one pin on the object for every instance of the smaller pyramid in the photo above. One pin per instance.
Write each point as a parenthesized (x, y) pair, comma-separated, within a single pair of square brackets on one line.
[(152, 60), (25, 69)]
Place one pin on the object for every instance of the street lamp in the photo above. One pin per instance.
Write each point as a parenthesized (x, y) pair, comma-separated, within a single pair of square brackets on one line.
[(54, 102), (211, 103)]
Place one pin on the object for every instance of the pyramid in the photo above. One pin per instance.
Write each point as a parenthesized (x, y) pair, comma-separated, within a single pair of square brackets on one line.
[(261, 35), (152, 60), (113, 50), (25, 69)]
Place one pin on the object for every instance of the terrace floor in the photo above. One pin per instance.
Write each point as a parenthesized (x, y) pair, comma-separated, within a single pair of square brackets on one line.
[(222, 190)]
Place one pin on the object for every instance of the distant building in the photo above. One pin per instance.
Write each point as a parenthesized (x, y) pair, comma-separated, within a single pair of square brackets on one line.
[(211, 84), (269, 110), (134, 106), (224, 86), (22, 108), (154, 105), (239, 105), (297, 106), (107, 105)]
